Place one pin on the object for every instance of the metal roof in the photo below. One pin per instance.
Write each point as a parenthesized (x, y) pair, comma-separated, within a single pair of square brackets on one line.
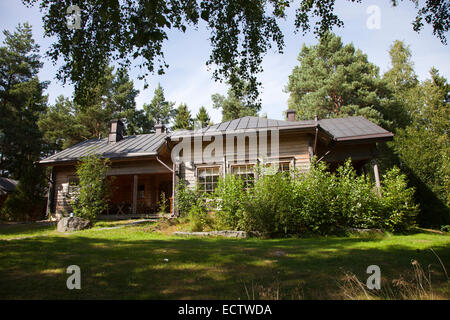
[(129, 146), (7, 185), (353, 128), (244, 124), (339, 129)]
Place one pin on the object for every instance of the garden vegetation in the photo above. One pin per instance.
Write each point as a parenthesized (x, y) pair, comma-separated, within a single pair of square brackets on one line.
[(294, 203)]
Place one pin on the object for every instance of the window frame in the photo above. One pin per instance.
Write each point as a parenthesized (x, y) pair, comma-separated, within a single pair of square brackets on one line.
[(247, 182), (203, 185), (282, 163), (73, 189)]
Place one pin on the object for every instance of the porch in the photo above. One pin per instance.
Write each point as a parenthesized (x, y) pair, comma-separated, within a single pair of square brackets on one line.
[(138, 195)]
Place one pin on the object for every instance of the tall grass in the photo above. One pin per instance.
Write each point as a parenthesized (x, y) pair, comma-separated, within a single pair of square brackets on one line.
[(417, 285)]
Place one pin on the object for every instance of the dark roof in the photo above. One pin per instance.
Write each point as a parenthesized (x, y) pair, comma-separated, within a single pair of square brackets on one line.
[(353, 128), (129, 146), (245, 124), (7, 185), (350, 128), (339, 129)]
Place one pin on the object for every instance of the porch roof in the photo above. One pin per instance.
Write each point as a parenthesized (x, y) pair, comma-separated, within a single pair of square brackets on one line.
[(7, 185), (129, 146)]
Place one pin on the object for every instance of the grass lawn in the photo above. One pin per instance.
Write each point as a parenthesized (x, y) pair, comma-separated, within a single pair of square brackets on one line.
[(135, 262)]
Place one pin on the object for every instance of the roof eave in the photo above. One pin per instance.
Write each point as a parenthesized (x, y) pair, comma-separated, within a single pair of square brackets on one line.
[(128, 156), (243, 131), (380, 137)]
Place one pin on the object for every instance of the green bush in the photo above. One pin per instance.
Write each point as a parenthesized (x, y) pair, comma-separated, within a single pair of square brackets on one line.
[(27, 202), (93, 188), (313, 196), (397, 201), (355, 201), (198, 216), (268, 206), (163, 204), (317, 201), (229, 197), (186, 197)]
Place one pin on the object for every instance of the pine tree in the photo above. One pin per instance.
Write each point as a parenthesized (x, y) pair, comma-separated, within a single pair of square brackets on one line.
[(203, 117), (68, 122), (21, 103), (335, 80), (183, 118), (159, 110)]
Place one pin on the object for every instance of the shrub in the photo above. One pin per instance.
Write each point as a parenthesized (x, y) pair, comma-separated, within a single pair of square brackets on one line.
[(398, 208), (186, 197), (317, 201), (27, 202), (268, 206), (163, 203), (313, 193), (198, 216), (93, 188), (355, 202), (229, 197)]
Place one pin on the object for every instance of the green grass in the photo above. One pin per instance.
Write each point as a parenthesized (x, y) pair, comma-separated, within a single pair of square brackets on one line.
[(129, 263)]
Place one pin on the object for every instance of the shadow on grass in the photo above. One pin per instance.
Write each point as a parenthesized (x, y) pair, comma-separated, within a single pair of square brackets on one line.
[(187, 268), (22, 229)]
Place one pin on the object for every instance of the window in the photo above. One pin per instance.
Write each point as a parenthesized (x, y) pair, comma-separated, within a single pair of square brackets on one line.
[(141, 191), (284, 167), (208, 178), (246, 173), (74, 185)]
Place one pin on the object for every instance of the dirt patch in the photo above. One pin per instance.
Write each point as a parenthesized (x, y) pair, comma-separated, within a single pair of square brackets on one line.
[(277, 253), (167, 226)]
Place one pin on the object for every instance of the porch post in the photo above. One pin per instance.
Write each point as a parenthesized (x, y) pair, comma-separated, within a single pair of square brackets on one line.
[(377, 176), (50, 195), (135, 183), (174, 185)]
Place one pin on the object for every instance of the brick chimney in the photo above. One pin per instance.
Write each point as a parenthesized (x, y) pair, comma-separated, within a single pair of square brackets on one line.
[(116, 131), (290, 114), (160, 128)]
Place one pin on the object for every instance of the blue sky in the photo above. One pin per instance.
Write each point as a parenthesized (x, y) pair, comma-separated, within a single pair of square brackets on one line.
[(188, 80)]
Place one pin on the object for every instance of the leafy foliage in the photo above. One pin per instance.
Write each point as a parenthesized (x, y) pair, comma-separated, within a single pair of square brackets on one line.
[(21, 104), (198, 215), (93, 187), (229, 196), (241, 32), (421, 146), (399, 210), (68, 122), (163, 205), (237, 103), (185, 198), (27, 202), (268, 206), (317, 201)]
